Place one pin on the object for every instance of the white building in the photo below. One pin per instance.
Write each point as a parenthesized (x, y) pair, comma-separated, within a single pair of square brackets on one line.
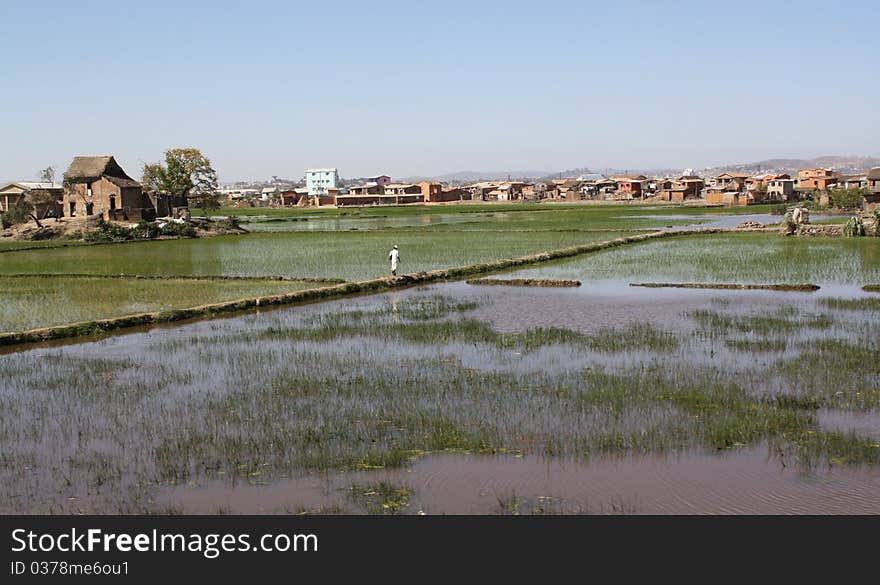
[(319, 180)]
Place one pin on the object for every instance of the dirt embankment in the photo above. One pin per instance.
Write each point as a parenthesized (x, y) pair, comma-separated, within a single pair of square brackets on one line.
[(73, 229)]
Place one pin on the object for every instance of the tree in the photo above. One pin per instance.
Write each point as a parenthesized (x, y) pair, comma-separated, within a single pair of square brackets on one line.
[(47, 175), (848, 198), (185, 173), (41, 199)]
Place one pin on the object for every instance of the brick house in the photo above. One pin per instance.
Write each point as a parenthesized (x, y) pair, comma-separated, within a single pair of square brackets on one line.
[(730, 181), (678, 190), (780, 188), (97, 185), (630, 187), (816, 179)]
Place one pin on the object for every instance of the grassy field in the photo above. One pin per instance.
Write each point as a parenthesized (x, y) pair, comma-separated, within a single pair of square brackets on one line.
[(346, 255), (734, 258), (241, 401), (30, 302), (496, 217), (430, 237)]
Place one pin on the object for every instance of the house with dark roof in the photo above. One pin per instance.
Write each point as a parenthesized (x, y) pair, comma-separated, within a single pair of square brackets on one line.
[(97, 185)]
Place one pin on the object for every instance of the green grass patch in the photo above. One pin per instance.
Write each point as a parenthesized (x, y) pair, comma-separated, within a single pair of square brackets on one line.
[(30, 302)]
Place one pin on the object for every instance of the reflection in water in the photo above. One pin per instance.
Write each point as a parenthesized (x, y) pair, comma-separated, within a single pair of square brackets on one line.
[(741, 482)]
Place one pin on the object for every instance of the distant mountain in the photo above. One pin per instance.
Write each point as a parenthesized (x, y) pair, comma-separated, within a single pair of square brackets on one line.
[(474, 176), (843, 164), (610, 172)]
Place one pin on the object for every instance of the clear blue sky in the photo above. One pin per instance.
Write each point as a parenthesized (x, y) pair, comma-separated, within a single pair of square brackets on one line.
[(410, 88)]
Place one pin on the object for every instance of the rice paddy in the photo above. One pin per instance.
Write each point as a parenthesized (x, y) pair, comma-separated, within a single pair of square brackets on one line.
[(447, 397), (746, 258), (380, 383), (347, 255), (31, 301)]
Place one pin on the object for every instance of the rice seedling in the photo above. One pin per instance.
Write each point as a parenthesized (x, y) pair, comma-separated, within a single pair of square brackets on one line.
[(380, 498), (549, 283), (806, 287), (783, 321), (351, 256), (757, 345), (34, 301), (859, 304), (747, 258)]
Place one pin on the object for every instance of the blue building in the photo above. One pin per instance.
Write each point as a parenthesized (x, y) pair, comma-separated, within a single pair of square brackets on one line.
[(318, 181)]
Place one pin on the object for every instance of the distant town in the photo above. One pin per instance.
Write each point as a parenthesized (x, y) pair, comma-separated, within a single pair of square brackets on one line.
[(97, 186), (323, 186)]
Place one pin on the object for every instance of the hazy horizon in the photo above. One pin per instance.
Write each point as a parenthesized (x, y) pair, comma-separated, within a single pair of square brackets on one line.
[(392, 87)]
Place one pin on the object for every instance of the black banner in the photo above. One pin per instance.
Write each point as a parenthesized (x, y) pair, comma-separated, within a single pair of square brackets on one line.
[(235, 547)]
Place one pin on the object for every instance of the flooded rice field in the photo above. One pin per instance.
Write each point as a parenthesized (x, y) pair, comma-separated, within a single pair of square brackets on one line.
[(456, 398), (709, 220), (747, 481)]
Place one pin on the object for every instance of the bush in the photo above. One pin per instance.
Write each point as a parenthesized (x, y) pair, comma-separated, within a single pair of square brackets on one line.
[(182, 230), (847, 198), (144, 230), (18, 213), (230, 223), (109, 232)]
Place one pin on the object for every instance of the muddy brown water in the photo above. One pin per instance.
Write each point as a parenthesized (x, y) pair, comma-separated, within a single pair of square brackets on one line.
[(743, 482)]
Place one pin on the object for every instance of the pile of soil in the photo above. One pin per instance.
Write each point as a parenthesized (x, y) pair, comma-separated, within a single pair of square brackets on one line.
[(750, 225)]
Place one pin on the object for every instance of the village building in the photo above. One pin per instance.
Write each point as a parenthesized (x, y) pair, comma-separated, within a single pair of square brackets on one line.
[(729, 180), (319, 181), (780, 188), (570, 191), (816, 179), (97, 185), (681, 189), (480, 191), (544, 190), (630, 186), (293, 196), (873, 180), (370, 188), (719, 195), (402, 189), (12, 193), (872, 184), (432, 192), (605, 188), (852, 182), (379, 180)]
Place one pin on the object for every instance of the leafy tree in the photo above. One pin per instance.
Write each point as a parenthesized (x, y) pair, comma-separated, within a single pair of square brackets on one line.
[(848, 198), (186, 172), (40, 199)]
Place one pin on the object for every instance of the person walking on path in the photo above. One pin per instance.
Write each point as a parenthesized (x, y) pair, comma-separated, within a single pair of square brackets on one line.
[(394, 256)]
